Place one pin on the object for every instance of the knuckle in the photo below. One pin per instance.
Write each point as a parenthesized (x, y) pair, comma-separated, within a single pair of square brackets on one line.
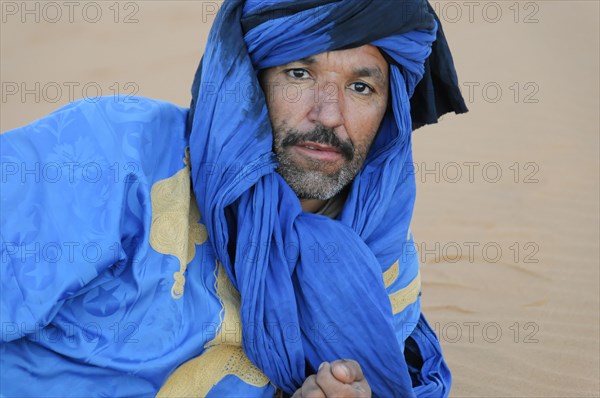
[(323, 377), (314, 392), (363, 389), (310, 381), (347, 391), (310, 389)]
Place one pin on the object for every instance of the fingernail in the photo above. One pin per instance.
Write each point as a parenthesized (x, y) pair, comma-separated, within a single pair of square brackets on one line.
[(321, 365), (346, 371)]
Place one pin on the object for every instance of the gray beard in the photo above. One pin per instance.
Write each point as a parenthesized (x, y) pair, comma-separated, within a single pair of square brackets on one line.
[(313, 183)]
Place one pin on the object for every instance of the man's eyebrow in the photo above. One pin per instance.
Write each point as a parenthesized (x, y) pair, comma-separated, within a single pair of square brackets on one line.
[(373, 72)]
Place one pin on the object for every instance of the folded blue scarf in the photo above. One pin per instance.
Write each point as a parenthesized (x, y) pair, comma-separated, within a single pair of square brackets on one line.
[(267, 244)]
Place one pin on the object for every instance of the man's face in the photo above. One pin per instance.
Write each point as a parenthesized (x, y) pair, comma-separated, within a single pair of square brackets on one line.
[(325, 111)]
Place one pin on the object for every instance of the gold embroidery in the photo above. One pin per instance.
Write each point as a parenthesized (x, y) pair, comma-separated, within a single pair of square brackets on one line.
[(408, 295), (175, 228), (230, 329), (403, 297), (195, 378), (224, 354), (391, 274)]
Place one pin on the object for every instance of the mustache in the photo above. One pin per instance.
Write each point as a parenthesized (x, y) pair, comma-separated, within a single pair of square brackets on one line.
[(320, 135)]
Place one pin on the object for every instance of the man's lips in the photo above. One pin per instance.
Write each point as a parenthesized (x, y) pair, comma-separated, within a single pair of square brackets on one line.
[(319, 151)]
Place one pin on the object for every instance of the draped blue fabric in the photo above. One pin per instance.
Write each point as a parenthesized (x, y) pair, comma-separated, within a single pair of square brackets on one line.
[(86, 306), (86, 301), (277, 290)]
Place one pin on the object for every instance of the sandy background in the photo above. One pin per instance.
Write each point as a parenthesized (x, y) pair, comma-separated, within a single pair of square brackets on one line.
[(507, 215)]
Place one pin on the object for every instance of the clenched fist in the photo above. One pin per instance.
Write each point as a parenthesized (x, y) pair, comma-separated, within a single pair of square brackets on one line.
[(341, 378)]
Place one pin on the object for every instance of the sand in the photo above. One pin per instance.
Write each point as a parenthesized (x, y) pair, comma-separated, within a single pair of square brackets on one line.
[(507, 215)]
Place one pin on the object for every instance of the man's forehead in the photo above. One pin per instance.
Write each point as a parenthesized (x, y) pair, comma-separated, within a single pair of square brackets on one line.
[(365, 52)]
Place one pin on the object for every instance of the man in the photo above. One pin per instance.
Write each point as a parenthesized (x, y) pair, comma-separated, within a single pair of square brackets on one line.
[(142, 267)]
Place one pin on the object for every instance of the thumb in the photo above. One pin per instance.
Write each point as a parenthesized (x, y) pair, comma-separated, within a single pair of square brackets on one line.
[(346, 371)]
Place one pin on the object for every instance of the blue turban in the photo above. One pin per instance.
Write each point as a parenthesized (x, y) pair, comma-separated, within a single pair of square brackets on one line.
[(255, 220)]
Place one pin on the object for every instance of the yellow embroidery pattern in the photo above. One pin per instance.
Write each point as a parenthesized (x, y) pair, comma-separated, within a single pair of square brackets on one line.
[(224, 354), (391, 275), (408, 295), (405, 296), (230, 329), (175, 229), (195, 378)]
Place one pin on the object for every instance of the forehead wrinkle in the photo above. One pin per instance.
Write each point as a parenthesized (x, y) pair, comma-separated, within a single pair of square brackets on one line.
[(306, 61)]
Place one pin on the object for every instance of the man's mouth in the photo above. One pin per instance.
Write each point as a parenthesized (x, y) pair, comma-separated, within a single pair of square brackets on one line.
[(320, 144), (320, 152)]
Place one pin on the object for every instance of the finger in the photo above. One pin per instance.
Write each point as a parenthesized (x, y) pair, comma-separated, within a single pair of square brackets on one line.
[(310, 389), (326, 381), (347, 371)]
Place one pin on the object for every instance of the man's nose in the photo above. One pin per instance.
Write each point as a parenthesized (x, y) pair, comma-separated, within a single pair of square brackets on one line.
[(327, 107)]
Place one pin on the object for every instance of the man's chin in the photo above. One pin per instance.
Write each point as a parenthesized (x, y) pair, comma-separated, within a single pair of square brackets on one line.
[(311, 184), (313, 196)]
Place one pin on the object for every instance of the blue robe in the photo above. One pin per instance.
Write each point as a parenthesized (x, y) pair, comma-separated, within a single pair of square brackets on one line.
[(90, 248)]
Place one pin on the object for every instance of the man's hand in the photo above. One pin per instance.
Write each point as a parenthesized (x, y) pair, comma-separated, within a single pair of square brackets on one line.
[(341, 378)]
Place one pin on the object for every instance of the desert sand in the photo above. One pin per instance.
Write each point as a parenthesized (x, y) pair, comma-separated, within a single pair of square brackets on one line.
[(507, 214)]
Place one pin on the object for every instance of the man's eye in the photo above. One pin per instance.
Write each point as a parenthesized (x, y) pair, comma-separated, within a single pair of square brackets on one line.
[(298, 73), (361, 88)]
